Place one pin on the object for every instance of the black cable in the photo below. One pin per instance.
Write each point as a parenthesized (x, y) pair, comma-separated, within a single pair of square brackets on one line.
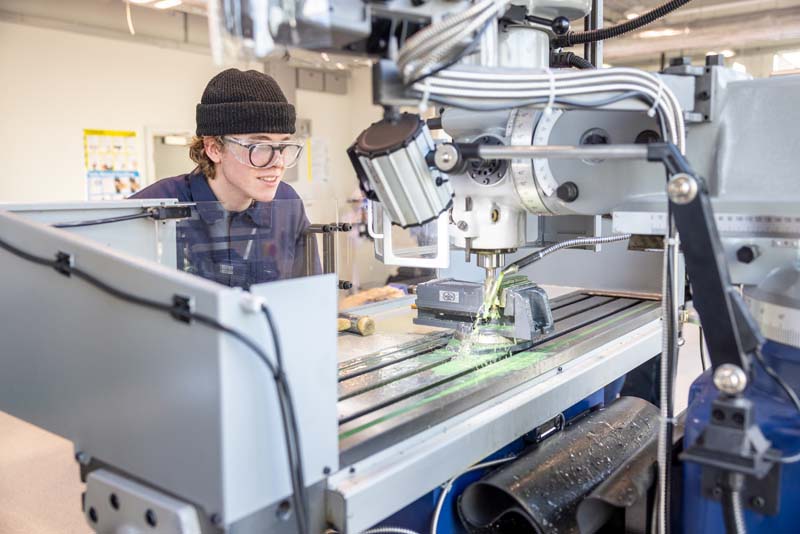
[(109, 220), (775, 376), (573, 38), (579, 62), (291, 433), (569, 59), (287, 407)]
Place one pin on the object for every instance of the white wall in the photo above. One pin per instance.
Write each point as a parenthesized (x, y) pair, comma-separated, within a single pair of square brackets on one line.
[(56, 83), (336, 120)]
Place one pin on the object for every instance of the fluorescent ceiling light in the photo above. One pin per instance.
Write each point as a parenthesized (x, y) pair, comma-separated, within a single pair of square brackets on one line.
[(339, 66), (166, 4), (325, 57), (666, 32), (727, 53), (631, 16), (140, 1)]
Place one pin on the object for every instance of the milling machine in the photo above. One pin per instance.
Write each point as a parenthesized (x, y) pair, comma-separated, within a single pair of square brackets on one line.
[(521, 154)]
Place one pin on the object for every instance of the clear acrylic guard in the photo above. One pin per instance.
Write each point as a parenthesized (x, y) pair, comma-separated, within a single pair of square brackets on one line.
[(432, 249)]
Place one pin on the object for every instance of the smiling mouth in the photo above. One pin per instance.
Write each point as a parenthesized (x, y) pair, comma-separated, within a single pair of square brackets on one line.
[(268, 179)]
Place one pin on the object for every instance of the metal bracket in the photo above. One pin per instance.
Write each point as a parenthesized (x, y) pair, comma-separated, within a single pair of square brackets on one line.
[(181, 308), (731, 333), (763, 495), (733, 443), (114, 503)]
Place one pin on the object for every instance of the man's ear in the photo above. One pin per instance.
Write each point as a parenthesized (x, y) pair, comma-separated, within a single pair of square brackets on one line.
[(213, 148)]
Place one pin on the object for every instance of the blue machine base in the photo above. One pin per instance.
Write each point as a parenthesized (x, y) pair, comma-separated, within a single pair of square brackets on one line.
[(779, 421), (418, 515)]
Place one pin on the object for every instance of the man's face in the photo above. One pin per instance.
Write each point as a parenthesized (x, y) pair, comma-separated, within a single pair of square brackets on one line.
[(233, 164)]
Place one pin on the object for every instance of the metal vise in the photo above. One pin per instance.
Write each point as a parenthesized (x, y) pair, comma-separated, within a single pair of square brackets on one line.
[(447, 303)]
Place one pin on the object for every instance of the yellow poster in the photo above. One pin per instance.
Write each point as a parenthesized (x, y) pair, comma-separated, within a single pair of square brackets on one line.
[(112, 164)]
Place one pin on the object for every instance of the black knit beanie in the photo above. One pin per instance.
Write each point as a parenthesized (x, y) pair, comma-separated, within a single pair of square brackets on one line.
[(237, 102)]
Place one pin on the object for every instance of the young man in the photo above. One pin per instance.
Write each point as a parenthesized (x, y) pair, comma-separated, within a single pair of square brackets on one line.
[(249, 226)]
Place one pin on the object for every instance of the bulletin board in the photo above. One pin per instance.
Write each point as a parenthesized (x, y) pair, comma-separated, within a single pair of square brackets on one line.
[(112, 164)]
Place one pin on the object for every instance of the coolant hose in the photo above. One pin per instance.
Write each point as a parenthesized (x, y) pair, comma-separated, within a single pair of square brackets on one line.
[(570, 243), (733, 512)]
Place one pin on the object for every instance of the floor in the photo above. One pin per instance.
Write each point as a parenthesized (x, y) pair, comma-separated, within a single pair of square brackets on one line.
[(40, 489)]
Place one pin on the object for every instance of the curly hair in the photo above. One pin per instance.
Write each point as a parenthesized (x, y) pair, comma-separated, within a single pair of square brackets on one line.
[(197, 151)]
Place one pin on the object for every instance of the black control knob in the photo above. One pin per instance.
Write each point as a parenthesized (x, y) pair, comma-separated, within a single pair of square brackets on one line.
[(747, 253), (568, 191), (560, 25)]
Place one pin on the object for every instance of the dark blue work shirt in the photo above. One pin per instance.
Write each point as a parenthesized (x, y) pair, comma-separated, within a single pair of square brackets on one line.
[(265, 242)]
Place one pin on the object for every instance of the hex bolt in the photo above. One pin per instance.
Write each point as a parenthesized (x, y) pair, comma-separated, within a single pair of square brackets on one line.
[(758, 502), (747, 254)]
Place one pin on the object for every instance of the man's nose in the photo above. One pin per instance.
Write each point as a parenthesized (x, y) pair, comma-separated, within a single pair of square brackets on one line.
[(277, 159)]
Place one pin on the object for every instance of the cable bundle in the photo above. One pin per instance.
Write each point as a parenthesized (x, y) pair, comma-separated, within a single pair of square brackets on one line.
[(444, 43), (483, 89)]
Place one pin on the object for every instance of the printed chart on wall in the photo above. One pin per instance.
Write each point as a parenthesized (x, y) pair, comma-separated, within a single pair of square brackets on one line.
[(112, 164)]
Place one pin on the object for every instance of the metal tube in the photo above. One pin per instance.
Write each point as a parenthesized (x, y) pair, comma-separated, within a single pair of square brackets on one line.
[(596, 22), (570, 243), (328, 252), (311, 246), (488, 152)]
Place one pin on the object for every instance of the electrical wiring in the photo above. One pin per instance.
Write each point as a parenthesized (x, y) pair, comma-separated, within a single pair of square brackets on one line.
[(442, 42), (511, 87), (601, 34), (469, 49), (109, 220), (777, 378), (789, 393), (64, 265), (524, 103), (290, 429), (437, 512)]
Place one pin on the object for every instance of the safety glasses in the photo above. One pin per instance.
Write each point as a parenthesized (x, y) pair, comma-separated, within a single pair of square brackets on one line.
[(267, 153)]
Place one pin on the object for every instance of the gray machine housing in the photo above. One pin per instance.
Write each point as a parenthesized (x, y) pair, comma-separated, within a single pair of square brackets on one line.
[(180, 407)]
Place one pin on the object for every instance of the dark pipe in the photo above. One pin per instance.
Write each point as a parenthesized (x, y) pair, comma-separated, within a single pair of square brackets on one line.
[(572, 38), (542, 490), (732, 509)]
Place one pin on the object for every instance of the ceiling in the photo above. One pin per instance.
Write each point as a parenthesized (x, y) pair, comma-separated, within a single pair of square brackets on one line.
[(696, 28)]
